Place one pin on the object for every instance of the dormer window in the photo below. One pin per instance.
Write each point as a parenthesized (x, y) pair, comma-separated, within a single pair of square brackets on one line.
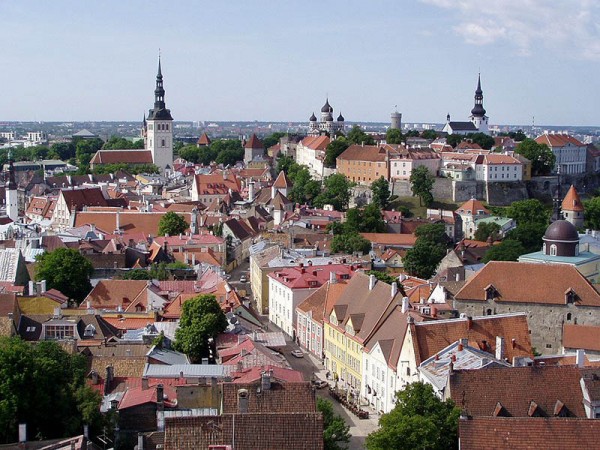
[(490, 292), (90, 331), (570, 296)]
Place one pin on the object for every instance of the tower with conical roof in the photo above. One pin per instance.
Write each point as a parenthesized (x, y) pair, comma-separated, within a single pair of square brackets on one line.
[(572, 208), (478, 117), (12, 201), (159, 127)]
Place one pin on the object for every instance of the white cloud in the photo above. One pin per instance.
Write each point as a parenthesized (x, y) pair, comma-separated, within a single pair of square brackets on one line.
[(564, 26)]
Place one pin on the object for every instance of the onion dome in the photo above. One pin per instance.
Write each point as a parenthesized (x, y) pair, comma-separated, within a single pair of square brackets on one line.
[(313, 118), (340, 118), (326, 107), (329, 118)]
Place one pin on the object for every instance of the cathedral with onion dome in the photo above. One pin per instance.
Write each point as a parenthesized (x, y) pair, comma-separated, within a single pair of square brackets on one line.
[(326, 124)]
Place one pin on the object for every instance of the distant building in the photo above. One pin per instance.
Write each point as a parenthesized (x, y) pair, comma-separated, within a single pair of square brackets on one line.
[(478, 120), (571, 154), (326, 124), (396, 121)]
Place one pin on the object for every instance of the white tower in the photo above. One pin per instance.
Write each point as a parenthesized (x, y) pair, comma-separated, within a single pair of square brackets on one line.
[(159, 134), (12, 204), (478, 117)]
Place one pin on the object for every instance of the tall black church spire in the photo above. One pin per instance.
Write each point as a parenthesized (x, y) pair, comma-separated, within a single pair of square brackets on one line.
[(160, 110), (478, 109)]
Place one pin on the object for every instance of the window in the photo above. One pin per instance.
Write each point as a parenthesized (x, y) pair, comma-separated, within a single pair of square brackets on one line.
[(553, 250), (569, 316), (163, 143)]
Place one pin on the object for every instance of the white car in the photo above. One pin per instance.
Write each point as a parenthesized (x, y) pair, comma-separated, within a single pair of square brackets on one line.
[(243, 279), (297, 353)]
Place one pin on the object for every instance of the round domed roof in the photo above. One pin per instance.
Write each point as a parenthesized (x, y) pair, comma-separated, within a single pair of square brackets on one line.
[(326, 107), (340, 118), (313, 118), (561, 230), (329, 118)]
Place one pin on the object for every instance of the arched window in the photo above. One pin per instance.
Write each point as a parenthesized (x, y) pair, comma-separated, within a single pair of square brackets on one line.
[(544, 248), (489, 312), (569, 315), (553, 250)]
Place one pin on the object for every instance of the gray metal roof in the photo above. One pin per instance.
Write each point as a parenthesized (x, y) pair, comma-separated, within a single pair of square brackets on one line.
[(188, 370)]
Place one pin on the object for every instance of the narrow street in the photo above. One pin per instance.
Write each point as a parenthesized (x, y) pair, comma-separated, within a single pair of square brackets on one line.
[(310, 366)]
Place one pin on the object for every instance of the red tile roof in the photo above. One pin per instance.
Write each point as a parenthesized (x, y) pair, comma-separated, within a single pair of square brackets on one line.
[(282, 181), (572, 202), (204, 139), (585, 337), (558, 140), (430, 338), (530, 283), (316, 142), (309, 277), (393, 239), (122, 156), (372, 153), (471, 207), (254, 142), (519, 433)]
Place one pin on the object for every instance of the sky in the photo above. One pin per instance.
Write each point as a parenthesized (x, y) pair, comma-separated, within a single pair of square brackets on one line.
[(242, 60)]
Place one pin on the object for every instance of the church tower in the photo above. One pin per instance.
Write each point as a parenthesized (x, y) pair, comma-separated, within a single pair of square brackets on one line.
[(12, 204), (159, 133), (478, 117)]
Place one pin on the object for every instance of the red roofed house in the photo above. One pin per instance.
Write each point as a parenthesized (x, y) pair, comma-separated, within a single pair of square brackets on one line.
[(124, 295), (290, 286), (469, 212), (364, 164), (310, 152), (131, 157), (214, 187), (403, 160), (203, 141), (552, 294), (70, 200), (571, 154)]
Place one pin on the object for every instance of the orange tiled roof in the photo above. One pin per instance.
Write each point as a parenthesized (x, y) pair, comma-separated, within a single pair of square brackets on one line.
[(530, 283), (390, 238), (572, 202), (372, 153), (585, 337), (316, 142), (558, 140)]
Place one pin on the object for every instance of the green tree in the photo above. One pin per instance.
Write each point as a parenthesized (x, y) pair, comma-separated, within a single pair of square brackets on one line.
[(201, 319), (541, 157), (336, 434), (393, 136), (64, 150), (44, 386), (67, 270), (190, 153), (422, 260), (528, 211), (85, 149), (517, 136), (357, 136), (120, 143), (385, 277), (284, 163), (429, 134), (420, 420), (272, 139), (336, 192), (592, 213), (172, 224), (350, 243), (136, 274), (421, 184), (381, 192), (507, 250), (304, 188), (334, 149), (372, 219), (433, 232), (227, 151), (454, 139), (486, 230), (529, 234), (483, 140)]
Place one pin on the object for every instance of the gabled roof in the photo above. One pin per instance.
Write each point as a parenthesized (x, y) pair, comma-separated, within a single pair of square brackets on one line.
[(110, 294), (281, 398), (254, 142), (572, 202), (320, 302), (122, 156), (204, 139), (471, 207), (544, 284), (479, 391), (430, 338), (309, 277), (282, 181), (372, 153), (462, 126), (525, 433), (392, 239), (316, 142), (78, 198), (558, 140)]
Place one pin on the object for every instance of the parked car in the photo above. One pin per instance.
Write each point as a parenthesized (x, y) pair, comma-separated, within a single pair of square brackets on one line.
[(320, 384), (297, 353), (243, 279)]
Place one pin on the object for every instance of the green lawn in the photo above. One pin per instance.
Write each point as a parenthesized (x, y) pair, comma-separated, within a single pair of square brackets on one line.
[(412, 203)]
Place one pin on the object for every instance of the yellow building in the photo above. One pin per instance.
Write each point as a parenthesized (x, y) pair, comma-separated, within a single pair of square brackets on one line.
[(353, 319)]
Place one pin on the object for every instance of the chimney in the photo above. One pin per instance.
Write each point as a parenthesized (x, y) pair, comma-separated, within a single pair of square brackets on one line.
[(332, 278), (118, 221), (500, 348), (469, 322), (394, 289), (513, 343), (160, 394), (31, 288), (56, 314), (86, 431), (22, 432), (265, 378), (372, 281), (273, 191), (460, 347), (251, 191), (243, 401), (144, 383), (43, 286), (108, 379), (140, 444), (94, 377), (580, 358), (405, 305)]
